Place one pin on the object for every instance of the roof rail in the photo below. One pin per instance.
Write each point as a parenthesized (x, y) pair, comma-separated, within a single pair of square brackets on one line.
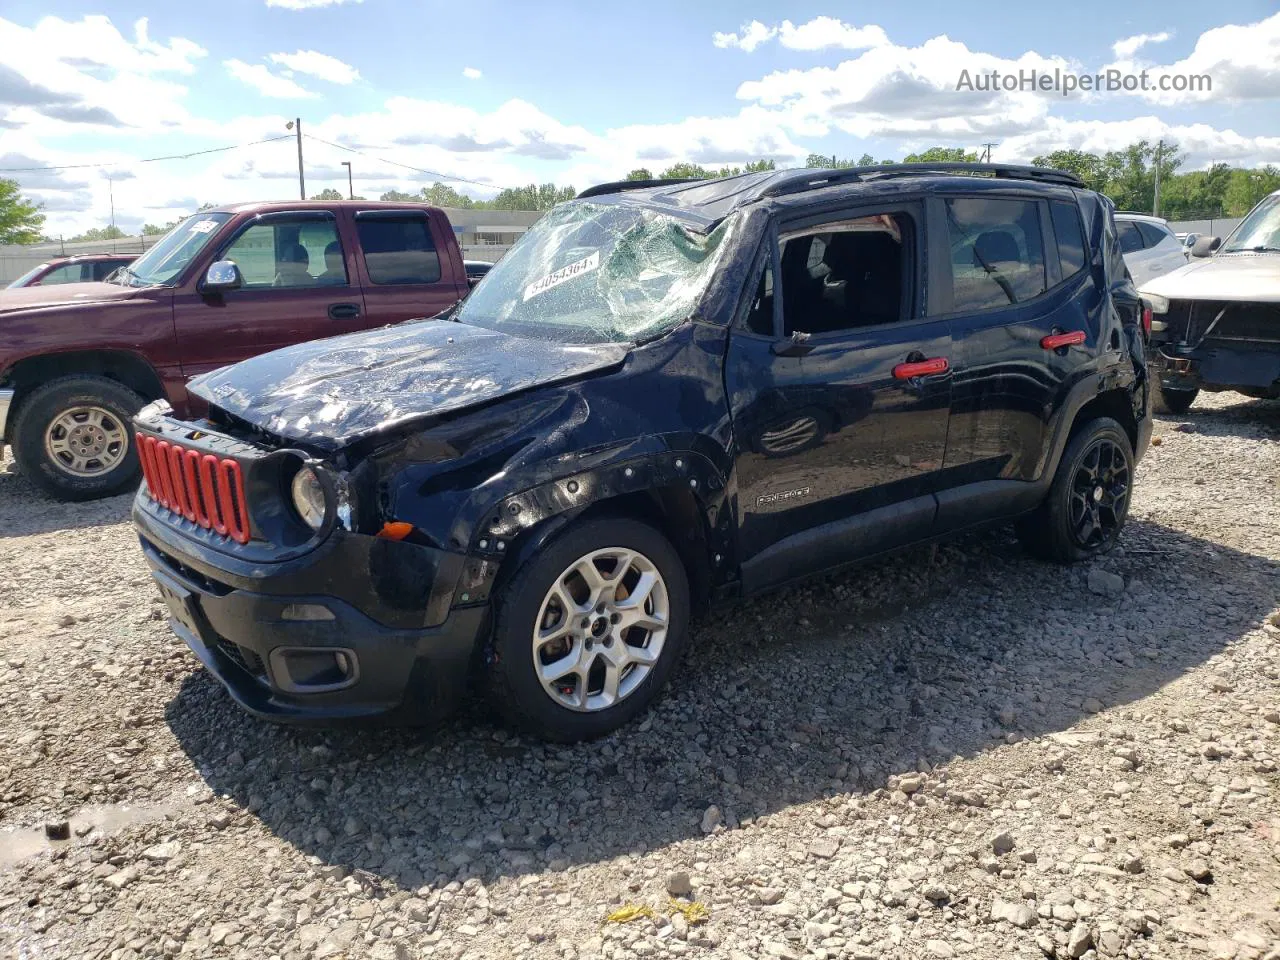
[(817, 179), (618, 186)]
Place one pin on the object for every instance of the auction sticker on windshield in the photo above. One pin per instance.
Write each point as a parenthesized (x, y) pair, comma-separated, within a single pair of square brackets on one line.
[(203, 226), (575, 269)]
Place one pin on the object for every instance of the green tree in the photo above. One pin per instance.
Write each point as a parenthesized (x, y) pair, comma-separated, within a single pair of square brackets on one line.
[(99, 233), (1246, 187), (399, 196), (640, 173), (531, 197), (443, 195), (686, 171), (943, 155), (1086, 166), (328, 193), (151, 229), (759, 166), (20, 218)]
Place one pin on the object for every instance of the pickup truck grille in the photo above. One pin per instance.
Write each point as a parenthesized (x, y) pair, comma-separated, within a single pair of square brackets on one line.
[(201, 487)]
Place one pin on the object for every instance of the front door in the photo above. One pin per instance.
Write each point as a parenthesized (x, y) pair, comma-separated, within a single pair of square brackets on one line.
[(840, 401), (298, 285)]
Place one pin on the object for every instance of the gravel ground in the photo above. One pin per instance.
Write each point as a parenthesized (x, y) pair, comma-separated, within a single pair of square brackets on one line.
[(955, 752)]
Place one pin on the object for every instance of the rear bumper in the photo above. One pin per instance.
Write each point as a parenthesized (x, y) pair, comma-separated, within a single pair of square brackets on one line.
[(311, 656)]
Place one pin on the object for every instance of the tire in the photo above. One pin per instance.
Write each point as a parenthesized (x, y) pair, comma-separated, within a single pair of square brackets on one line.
[(1054, 530), (1176, 402), (39, 440), (573, 711)]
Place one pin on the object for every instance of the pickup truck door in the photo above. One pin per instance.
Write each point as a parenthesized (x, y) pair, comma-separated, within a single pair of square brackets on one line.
[(298, 285), (408, 264)]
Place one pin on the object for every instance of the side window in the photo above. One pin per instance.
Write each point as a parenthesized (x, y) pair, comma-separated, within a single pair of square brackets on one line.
[(1152, 233), (856, 277), (287, 254), (1130, 238), (67, 273), (105, 268), (1066, 228), (997, 252), (760, 314), (398, 250)]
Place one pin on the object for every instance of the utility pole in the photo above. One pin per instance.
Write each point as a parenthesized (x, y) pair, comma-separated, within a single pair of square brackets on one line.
[(111, 195), (351, 191), (1155, 201), (987, 156), (296, 126)]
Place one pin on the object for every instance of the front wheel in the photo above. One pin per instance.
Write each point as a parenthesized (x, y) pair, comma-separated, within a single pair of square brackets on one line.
[(588, 630), (72, 437), (1088, 502)]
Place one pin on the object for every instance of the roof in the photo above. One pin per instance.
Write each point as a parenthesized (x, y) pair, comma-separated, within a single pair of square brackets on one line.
[(280, 206), (709, 201), (78, 257), (1129, 215)]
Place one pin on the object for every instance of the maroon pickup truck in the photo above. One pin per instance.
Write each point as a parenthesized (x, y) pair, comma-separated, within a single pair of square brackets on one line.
[(78, 361)]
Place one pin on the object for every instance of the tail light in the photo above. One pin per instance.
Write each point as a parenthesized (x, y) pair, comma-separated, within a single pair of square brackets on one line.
[(202, 488), (1146, 318)]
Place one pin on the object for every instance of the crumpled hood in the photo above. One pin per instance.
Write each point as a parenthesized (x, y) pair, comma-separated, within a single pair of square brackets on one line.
[(328, 393), (63, 295), (1254, 277)]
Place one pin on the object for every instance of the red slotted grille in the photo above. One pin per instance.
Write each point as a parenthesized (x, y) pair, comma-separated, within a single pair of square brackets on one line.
[(199, 487)]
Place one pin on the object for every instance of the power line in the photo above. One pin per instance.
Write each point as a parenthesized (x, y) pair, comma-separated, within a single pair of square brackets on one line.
[(396, 163), (117, 163)]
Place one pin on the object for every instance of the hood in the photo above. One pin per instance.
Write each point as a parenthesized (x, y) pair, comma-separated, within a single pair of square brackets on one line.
[(63, 295), (329, 393), (1252, 277)]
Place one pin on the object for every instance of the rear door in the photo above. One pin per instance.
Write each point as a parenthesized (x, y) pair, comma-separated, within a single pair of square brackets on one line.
[(298, 285), (405, 265), (839, 391), (1025, 318)]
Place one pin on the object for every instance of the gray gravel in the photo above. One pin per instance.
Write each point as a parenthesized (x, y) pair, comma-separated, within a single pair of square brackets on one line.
[(951, 753)]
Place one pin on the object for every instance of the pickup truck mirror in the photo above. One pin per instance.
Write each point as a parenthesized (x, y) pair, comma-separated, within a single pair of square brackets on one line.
[(222, 276), (1205, 246)]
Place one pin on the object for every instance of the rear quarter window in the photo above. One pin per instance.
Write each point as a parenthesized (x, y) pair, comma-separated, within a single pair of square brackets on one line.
[(1070, 236), (1153, 233), (399, 250)]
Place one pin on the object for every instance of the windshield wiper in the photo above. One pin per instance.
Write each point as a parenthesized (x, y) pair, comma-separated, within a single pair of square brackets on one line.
[(1260, 248)]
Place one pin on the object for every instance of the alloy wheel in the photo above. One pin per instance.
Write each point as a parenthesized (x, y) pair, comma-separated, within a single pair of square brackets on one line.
[(601, 629), (86, 441), (1099, 493)]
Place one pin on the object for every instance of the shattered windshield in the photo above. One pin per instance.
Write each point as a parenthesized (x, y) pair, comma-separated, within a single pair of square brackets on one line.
[(591, 273), (1259, 231)]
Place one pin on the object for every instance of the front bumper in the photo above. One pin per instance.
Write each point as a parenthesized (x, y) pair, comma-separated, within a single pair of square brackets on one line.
[(1253, 368), (246, 631), (6, 404)]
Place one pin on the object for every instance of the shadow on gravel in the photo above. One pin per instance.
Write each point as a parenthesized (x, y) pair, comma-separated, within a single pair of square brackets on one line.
[(823, 690), (1246, 418), (27, 511)]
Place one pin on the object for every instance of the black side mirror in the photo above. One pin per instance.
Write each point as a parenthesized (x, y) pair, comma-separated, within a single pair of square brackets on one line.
[(796, 345), (1205, 246), (222, 276)]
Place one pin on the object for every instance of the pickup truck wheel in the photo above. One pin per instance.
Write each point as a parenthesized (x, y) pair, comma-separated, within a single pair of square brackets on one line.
[(1088, 502), (588, 630), (74, 440), (1176, 402)]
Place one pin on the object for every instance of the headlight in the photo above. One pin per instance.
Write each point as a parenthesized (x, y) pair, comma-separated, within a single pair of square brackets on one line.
[(1158, 303), (308, 497)]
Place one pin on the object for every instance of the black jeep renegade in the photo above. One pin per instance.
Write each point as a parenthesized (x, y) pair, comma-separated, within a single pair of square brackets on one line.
[(666, 393)]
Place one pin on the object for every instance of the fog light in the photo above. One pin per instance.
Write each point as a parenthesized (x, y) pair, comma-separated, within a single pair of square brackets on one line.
[(314, 669), (306, 611)]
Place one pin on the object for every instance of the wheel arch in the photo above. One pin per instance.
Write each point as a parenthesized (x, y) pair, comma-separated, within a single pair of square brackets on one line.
[(123, 366)]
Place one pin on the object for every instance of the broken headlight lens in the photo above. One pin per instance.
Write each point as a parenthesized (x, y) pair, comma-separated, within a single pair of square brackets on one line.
[(308, 497)]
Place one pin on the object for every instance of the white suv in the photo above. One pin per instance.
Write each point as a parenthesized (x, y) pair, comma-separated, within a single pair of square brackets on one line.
[(1150, 249)]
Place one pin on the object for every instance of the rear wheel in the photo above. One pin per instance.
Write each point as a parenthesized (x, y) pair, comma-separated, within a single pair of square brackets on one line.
[(73, 438), (1176, 402), (588, 630), (1088, 502)]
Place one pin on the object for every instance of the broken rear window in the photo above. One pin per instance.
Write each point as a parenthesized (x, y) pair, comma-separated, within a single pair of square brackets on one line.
[(591, 273)]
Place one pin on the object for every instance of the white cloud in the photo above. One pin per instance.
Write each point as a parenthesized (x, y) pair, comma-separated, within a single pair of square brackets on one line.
[(821, 33), (750, 36), (1241, 60), (308, 4), (472, 73), (1203, 144), (265, 82), (319, 65), (1130, 45)]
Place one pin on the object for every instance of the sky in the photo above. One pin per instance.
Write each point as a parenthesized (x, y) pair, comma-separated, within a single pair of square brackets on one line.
[(507, 93)]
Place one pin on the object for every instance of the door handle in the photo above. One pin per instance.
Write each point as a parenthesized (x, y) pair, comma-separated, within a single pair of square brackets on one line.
[(344, 311), (1056, 341), (921, 368)]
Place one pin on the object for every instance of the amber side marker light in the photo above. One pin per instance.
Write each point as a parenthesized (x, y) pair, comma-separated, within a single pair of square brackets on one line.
[(395, 530)]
